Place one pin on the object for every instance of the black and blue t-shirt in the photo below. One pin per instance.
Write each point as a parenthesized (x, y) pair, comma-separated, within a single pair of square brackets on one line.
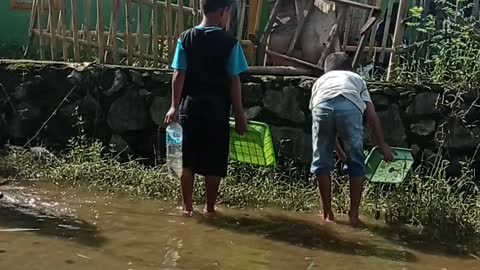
[(209, 56)]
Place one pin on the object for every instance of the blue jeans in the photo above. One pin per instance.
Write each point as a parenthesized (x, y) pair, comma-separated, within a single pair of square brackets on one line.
[(337, 117)]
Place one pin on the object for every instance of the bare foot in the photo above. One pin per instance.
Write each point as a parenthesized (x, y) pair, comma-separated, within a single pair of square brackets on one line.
[(354, 220), (329, 217), (186, 213)]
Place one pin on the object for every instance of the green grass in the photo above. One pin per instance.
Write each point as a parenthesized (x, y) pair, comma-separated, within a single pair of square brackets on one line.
[(430, 201)]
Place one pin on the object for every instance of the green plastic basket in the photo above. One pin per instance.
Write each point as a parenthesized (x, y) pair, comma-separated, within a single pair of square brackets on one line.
[(255, 147), (379, 171)]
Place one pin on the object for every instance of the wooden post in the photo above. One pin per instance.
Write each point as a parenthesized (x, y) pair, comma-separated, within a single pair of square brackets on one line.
[(397, 38), (31, 34), (76, 44), (386, 30), (299, 29), (100, 33), (128, 31), (155, 33), (333, 40), (114, 27), (263, 40), (40, 29), (140, 33), (53, 28), (168, 25)]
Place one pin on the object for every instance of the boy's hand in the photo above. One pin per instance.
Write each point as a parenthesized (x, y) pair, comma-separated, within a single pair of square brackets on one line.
[(171, 116), (387, 152), (241, 124)]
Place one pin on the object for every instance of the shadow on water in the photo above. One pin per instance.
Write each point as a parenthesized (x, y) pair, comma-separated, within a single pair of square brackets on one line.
[(13, 217), (305, 234), (428, 241)]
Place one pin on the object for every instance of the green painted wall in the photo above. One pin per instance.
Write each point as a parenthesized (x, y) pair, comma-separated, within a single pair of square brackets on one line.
[(13, 25)]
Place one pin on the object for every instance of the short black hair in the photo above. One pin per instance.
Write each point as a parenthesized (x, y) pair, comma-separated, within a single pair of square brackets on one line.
[(208, 6), (338, 61)]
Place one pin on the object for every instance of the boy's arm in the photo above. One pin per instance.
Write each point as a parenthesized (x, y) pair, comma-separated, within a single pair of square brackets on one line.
[(177, 90), (377, 133), (237, 107)]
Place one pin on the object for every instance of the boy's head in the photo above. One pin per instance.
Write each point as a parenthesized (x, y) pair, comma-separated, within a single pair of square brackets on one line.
[(218, 10), (338, 61)]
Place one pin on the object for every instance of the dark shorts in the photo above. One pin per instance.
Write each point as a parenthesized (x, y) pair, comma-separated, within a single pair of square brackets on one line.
[(205, 145)]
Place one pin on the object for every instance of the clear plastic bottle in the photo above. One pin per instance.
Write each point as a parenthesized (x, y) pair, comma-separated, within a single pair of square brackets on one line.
[(174, 149)]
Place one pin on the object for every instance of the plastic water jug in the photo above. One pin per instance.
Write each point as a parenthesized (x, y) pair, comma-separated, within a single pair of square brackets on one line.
[(174, 149)]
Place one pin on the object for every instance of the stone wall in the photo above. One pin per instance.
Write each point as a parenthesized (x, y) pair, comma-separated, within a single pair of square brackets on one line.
[(125, 108)]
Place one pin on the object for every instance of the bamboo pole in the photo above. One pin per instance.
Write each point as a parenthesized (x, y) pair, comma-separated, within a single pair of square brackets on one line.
[(299, 29), (242, 20), (53, 28), (373, 33), (386, 30), (168, 25), (180, 19), (128, 32), (155, 34), (33, 20), (195, 12), (76, 45), (263, 40), (397, 38), (88, 9), (293, 59), (139, 33), (40, 29), (348, 25), (63, 30), (114, 27), (258, 17), (100, 32)]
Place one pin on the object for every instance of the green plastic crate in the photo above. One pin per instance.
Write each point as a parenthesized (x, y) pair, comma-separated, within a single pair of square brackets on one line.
[(379, 171), (255, 147)]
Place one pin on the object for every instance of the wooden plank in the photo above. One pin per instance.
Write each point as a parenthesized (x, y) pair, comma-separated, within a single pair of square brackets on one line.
[(40, 29), (86, 24), (155, 21), (397, 38), (299, 29), (139, 33), (386, 29), (180, 18), (373, 33), (168, 25), (128, 31), (100, 31), (363, 33), (242, 20), (114, 26), (293, 59), (365, 50), (263, 40)]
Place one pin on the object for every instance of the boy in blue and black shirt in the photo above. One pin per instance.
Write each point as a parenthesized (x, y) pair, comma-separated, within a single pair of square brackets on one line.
[(205, 85)]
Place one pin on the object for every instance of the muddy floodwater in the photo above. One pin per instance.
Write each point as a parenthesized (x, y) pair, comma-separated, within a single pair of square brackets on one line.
[(47, 227)]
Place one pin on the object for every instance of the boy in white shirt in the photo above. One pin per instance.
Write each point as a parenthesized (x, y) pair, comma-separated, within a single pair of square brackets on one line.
[(340, 100)]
